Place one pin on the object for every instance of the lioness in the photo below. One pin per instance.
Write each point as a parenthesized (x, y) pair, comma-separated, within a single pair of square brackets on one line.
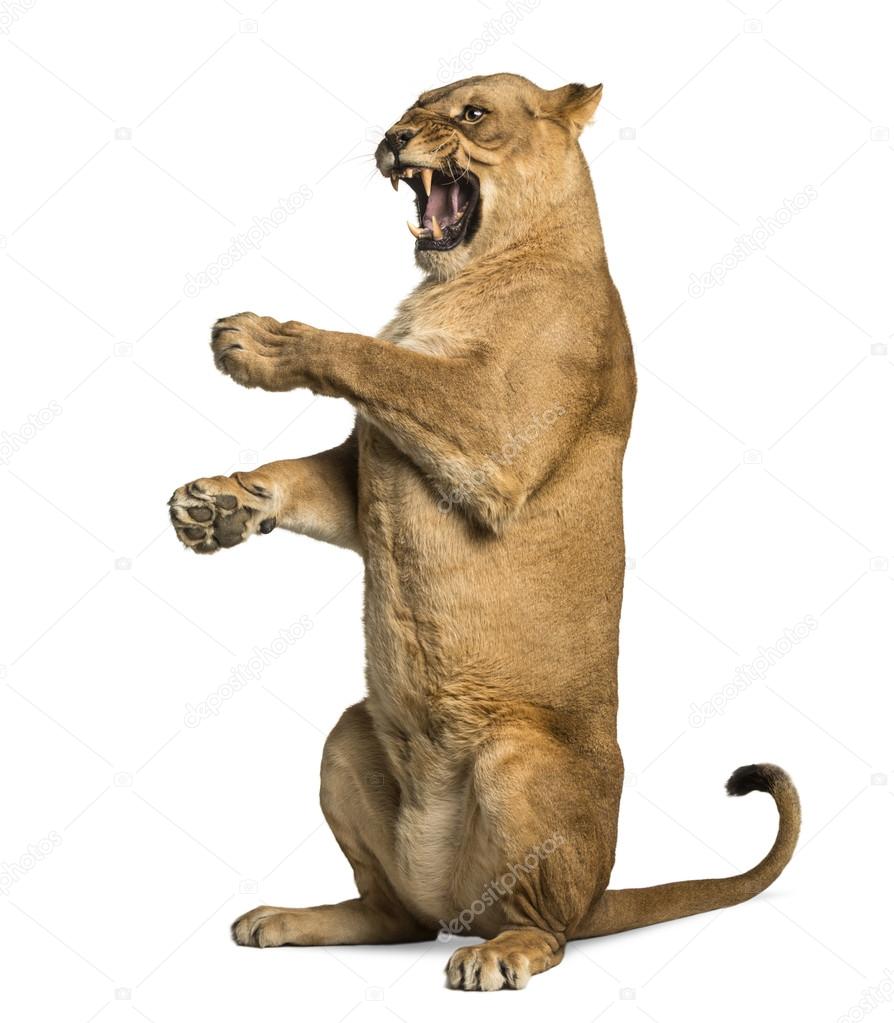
[(476, 788)]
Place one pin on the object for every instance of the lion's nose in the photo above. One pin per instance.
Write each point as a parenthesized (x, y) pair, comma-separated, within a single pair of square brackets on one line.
[(397, 138)]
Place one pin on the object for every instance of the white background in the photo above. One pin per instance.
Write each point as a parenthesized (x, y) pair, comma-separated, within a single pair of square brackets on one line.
[(138, 140)]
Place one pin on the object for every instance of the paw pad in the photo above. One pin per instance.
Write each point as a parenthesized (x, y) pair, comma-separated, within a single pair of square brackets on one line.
[(208, 515)]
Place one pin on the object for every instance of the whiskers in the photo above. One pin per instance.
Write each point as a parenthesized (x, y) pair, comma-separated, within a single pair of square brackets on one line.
[(437, 150), (359, 156), (454, 170), (459, 148)]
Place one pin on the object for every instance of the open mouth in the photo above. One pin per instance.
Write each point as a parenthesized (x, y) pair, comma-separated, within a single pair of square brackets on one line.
[(445, 205)]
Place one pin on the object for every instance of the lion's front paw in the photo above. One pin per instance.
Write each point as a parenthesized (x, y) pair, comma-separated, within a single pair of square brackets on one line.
[(244, 930), (269, 927), (221, 511), (483, 968), (249, 349)]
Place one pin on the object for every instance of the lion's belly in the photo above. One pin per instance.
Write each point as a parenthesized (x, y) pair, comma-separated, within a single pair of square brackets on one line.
[(450, 605), (428, 850), (444, 853), (463, 629)]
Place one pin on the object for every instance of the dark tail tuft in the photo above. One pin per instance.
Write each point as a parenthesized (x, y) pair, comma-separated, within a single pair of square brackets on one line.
[(621, 910), (753, 778)]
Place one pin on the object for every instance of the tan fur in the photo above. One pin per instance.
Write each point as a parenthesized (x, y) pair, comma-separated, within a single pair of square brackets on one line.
[(482, 487)]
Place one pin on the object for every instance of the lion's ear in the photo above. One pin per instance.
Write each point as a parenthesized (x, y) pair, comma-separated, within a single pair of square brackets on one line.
[(574, 104)]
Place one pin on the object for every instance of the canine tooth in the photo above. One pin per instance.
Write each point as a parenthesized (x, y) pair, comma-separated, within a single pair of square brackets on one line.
[(415, 231), (395, 179), (436, 229), (427, 174)]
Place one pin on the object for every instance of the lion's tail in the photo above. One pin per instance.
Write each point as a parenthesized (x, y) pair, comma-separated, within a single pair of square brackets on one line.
[(627, 908)]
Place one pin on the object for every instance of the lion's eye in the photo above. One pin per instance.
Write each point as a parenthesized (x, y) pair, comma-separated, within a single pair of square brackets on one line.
[(473, 114)]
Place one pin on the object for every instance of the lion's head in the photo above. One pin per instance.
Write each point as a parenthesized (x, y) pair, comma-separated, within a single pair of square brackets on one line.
[(487, 158)]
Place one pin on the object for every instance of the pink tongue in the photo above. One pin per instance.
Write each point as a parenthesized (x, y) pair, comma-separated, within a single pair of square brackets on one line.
[(437, 204)]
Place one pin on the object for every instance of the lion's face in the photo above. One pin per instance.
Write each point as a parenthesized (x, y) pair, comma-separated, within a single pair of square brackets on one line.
[(485, 158)]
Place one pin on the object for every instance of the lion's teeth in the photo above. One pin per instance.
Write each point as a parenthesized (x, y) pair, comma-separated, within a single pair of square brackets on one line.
[(436, 229), (409, 172), (426, 174), (415, 231), (395, 179)]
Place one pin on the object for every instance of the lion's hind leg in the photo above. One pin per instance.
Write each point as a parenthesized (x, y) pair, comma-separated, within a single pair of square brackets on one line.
[(359, 797), (547, 812)]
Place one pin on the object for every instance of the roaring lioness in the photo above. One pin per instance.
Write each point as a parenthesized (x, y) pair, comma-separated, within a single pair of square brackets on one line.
[(476, 788)]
